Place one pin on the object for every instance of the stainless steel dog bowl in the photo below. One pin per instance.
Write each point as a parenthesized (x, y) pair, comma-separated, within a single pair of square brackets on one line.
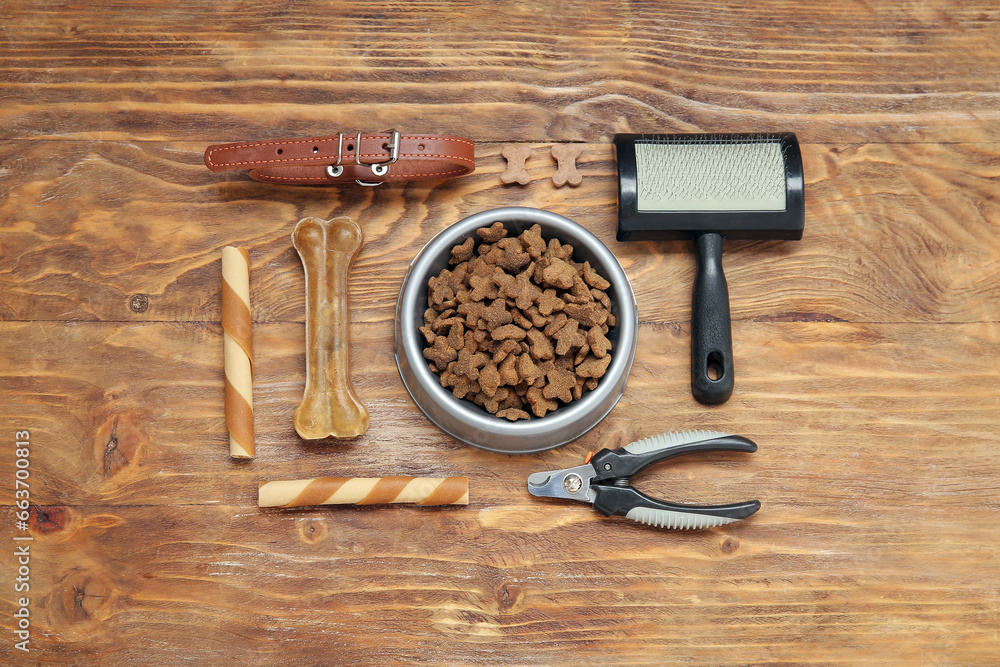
[(465, 420)]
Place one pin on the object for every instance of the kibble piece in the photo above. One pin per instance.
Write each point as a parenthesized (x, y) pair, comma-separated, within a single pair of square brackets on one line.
[(533, 241), (489, 379), (473, 312), (558, 274), (522, 290), (469, 363), (569, 337), (440, 353), (539, 404), (440, 291), (493, 403), (444, 324), (462, 253), (513, 257), (593, 278), (504, 349), (589, 314), (537, 319), (599, 343), (496, 315), (549, 302), (513, 414), (593, 367), (560, 385), (512, 400), (541, 346), (526, 369), (493, 233), (483, 287), (557, 323), (580, 293), (464, 386), (508, 370), (456, 336), (508, 331), (520, 320)]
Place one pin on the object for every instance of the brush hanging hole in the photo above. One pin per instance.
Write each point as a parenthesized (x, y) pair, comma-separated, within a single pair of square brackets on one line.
[(715, 367)]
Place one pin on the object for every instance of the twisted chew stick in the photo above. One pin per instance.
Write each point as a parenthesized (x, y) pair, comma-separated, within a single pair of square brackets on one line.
[(329, 406), (238, 351), (365, 491)]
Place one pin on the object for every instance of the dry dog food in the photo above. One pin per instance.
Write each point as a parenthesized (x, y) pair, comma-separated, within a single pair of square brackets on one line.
[(516, 325)]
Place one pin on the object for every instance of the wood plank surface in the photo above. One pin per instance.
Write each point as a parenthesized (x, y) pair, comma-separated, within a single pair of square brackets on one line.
[(912, 230), (224, 71), (867, 354)]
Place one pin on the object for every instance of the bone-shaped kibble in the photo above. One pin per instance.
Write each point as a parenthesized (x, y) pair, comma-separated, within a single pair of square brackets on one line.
[(566, 155), (516, 157), (329, 406)]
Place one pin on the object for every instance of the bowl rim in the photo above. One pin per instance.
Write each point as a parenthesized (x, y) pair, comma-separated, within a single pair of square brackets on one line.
[(535, 434)]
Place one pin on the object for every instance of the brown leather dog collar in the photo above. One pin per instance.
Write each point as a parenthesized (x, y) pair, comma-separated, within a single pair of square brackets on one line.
[(367, 159)]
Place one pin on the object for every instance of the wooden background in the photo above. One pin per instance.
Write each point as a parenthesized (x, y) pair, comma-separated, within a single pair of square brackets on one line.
[(866, 354)]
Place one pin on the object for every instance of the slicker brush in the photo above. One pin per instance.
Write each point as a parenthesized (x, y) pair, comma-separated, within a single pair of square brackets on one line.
[(708, 187)]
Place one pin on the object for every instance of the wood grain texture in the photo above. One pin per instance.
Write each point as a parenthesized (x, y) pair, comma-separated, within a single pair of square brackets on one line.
[(867, 354), (495, 71), (878, 472), (894, 233)]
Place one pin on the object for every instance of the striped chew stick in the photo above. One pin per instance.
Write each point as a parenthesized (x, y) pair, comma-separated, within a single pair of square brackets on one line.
[(365, 491), (238, 351)]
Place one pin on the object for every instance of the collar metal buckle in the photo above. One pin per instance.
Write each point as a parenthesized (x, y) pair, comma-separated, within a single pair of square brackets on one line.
[(379, 168)]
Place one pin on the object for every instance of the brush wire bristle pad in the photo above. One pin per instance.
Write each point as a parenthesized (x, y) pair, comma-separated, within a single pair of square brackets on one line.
[(677, 186)]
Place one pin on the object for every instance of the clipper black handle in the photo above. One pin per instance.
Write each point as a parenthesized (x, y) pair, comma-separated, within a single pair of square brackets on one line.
[(711, 330), (620, 463), (621, 500)]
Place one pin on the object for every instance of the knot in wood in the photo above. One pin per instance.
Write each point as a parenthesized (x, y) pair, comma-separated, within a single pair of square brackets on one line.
[(139, 303), (45, 520), (509, 595), (312, 530)]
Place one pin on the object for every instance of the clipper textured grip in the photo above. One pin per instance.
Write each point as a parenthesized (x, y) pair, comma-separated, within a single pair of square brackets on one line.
[(365, 491), (238, 351)]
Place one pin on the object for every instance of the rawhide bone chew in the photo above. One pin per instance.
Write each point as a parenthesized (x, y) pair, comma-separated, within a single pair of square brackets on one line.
[(329, 407), (566, 155), (238, 351), (364, 491), (515, 172)]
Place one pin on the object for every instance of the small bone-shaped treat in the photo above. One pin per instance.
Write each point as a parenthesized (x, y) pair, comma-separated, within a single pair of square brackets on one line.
[(566, 155), (516, 157), (329, 407)]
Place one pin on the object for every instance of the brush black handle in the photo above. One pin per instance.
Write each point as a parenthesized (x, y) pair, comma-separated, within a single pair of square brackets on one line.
[(711, 331)]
